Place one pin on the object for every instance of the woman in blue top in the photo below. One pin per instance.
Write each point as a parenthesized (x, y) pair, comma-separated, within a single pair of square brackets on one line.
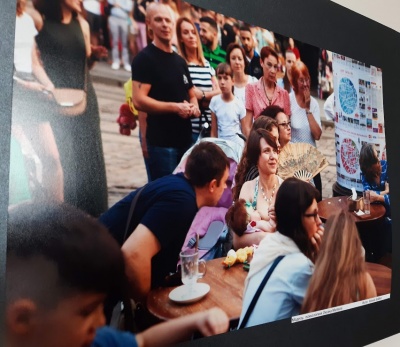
[(298, 240), (374, 175)]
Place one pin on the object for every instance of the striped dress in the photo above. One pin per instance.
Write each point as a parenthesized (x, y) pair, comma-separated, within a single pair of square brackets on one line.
[(201, 78)]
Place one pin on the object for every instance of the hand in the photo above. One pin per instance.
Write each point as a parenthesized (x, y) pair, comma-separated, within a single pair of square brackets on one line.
[(271, 213), (373, 196), (213, 321), (184, 109), (196, 111), (307, 98), (317, 238), (99, 51)]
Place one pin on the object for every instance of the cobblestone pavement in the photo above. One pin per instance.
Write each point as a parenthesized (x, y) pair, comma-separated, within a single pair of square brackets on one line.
[(123, 156)]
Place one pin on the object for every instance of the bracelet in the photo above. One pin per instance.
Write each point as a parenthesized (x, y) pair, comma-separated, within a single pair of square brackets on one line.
[(308, 112)]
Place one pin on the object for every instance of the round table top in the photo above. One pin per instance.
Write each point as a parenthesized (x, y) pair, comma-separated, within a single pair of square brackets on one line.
[(329, 206), (226, 291)]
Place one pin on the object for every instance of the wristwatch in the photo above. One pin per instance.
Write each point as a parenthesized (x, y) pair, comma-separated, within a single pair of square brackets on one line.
[(308, 112)]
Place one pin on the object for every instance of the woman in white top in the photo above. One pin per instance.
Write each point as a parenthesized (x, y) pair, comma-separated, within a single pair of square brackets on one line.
[(33, 132), (305, 119), (236, 58), (297, 239)]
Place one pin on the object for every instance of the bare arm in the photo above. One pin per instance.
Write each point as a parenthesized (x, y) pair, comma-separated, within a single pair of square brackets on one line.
[(193, 100), (247, 239), (247, 123), (210, 322), (214, 125), (143, 102), (316, 130), (138, 250), (143, 131)]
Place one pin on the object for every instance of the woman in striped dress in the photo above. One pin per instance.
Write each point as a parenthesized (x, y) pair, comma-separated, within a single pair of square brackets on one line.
[(202, 74)]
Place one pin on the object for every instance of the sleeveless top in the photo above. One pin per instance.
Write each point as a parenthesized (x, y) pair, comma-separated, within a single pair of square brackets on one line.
[(62, 50)]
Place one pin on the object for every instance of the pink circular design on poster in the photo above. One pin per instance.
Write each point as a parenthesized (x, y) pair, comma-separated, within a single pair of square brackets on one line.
[(349, 155)]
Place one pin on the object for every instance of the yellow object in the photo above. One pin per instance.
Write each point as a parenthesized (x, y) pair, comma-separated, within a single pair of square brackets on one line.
[(240, 256), (128, 95)]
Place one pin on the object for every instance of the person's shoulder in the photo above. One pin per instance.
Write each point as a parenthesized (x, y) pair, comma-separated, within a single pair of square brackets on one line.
[(109, 337)]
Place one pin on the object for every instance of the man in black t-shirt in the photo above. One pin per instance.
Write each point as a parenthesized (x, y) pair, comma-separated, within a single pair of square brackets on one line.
[(162, 88)]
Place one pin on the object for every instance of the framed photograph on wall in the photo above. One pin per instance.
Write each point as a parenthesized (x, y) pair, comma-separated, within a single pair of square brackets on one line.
[(350, 61)]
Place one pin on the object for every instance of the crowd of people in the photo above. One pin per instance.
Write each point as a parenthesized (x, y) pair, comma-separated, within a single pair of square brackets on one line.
[(200, 68)]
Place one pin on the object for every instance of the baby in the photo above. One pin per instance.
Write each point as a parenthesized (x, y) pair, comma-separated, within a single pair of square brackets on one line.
[(243, 219)]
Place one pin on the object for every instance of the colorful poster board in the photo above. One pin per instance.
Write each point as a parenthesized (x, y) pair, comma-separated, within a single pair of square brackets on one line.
[(359, 116)]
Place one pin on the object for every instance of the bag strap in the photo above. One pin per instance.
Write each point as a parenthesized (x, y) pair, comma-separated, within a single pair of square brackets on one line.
[(130, 214), (258, 292)]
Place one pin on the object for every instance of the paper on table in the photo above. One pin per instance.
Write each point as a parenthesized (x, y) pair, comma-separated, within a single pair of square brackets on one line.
[(359, 213)]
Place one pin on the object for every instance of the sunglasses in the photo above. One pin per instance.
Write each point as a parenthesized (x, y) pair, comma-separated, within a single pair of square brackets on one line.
[(285, 125)]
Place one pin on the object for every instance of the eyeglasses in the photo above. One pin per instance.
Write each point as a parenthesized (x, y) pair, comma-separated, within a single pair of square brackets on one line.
[(285, 125), (315, 215), (270, 66), (304, 80)]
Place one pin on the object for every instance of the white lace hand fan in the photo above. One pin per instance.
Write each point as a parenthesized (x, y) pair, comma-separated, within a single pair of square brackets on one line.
[(300, 160)]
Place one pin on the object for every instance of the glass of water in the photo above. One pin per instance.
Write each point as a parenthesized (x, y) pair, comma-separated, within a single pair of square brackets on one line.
[(367, 201), (190, 265)]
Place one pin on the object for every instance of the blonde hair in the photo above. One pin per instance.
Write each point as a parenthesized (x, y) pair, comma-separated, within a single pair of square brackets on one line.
[(340, 276), (181, 46)]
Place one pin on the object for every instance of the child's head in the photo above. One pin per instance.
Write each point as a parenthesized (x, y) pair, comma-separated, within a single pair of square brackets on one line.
[(237, 217), (369, 162), (224, 75), (61, 263)]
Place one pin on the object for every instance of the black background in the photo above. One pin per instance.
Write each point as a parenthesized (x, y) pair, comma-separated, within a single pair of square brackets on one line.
[(320, 23), (325, 24)]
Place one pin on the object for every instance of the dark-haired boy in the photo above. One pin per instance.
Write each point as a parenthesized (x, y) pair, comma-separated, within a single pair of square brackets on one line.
[(162, 217), (61, 264)]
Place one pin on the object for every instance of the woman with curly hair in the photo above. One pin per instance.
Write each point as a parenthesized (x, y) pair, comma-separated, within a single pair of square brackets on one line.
[(259, 193), (340, 276)]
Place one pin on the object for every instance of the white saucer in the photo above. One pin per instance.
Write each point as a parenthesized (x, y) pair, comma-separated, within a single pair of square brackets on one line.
[(182, 295)]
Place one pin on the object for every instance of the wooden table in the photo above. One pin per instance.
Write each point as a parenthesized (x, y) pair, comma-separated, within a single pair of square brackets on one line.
[(370, 227), (227, 291), (328, 207)]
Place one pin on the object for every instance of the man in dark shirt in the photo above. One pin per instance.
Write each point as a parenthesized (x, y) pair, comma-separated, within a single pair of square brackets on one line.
[(209, 38), (247, 40), (162, 217), (162, 88)]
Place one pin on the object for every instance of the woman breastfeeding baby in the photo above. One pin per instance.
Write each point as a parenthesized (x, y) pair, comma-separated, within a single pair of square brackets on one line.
[(253, 215)]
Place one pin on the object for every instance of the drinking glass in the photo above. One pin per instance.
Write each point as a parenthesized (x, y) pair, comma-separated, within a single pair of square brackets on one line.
[(367, 201), (190, 264)]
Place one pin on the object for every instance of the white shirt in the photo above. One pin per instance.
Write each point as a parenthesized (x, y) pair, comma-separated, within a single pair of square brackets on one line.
[(301, 131), (25, 33), (92, 6), (228, 114), (240, 91)]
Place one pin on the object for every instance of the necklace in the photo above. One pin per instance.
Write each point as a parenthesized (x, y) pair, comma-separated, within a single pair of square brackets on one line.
[(264, 195), (266, 94)]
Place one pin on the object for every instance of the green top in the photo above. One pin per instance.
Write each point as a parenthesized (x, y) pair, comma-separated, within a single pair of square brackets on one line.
[(214, 57)]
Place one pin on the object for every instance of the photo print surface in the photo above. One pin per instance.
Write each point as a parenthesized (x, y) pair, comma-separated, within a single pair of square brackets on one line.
[(90, 163)]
